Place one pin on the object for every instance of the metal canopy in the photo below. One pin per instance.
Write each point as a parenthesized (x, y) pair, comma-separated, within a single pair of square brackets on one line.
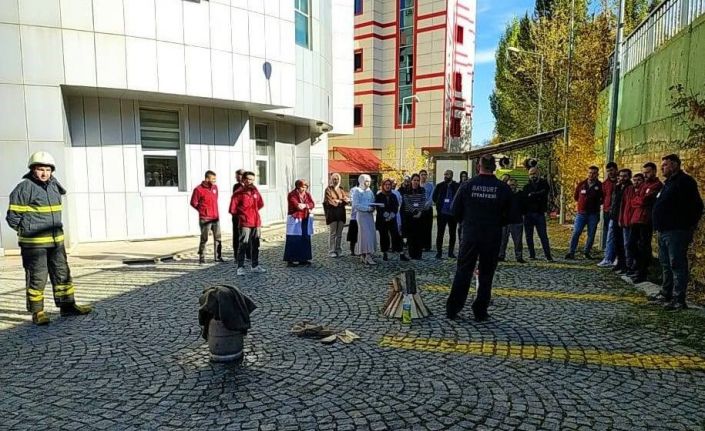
[(527, 141)]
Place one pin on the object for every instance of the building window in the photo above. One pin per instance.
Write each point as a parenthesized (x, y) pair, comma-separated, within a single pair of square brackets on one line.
[(160, 136), (302, 11), (358, 60), (459, 34), (357, 121), (358, 7), (458, 84), (405, 66), (264, 154)]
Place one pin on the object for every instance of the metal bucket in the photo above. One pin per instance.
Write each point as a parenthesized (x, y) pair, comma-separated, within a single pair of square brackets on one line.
[(225, 345)]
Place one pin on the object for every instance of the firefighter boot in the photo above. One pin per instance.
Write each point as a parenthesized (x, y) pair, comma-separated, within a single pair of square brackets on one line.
[(75, 309), (40, 318)]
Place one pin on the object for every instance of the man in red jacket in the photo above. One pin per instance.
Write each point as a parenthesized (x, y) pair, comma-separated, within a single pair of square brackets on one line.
[(588, 195), (642, 204), (205, 200), (245, 204)]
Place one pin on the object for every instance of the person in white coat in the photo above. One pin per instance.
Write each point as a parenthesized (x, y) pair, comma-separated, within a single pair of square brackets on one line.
[(363, 203)]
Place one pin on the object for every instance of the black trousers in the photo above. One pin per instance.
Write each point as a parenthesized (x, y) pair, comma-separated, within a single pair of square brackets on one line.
[(249, 241), (427, 229), (37, 264), (214, 226), (640, 247), (478, 243), (236, 239), (414, 236), (444, 220), (352, 235), (389, 238)]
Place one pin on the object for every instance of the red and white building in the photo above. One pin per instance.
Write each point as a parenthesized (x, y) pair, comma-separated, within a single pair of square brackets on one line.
[(403, 48)]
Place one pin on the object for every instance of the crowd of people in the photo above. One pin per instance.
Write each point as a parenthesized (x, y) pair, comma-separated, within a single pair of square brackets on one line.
[(483, 211)]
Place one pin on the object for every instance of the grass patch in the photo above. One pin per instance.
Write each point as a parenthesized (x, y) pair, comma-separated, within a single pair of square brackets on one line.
[(686, 327)]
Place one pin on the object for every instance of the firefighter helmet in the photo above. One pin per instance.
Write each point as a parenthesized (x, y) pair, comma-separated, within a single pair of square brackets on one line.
[(41, 158)]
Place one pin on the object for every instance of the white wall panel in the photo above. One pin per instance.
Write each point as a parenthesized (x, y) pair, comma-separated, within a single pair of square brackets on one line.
[(141, 57), (9, 11), (40, 12), (134, 215), (13, 165), (45, 121), (177, 212), (272, 38), (79, 177), (170, 21), (110, 61), (154, 216), (11, 54), (97, 214), (240, 31), (220, 36), (131, 159), (77, 14), (42, 57), (171, 68), (207, 125), (12, 112), (220, 119), (115, 216), (79, 58), (108, 16), (198, 71), (140, 18), (259, 86), (222, 68), (257, 35), (241, 77), (196, 25), (82, 213)]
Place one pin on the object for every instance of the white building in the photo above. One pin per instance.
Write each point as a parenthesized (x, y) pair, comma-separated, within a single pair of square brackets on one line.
[(136, 99)]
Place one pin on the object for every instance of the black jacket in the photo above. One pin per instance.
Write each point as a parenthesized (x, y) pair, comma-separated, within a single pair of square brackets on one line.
[(440, 193), (536, 196), (35, 212), (678, 206), (516, 210), (616, 201), (483, 201), (391, 205), (227, 304)]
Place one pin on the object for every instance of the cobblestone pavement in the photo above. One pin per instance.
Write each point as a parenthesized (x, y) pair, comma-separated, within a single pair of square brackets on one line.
[(551, 357)]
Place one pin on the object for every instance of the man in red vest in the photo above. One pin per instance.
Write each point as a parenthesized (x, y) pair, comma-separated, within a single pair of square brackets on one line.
[(245, 204), (205, 200)]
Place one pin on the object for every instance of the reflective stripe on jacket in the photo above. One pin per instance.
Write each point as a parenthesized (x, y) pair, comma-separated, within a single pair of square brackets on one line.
[(35, 212)]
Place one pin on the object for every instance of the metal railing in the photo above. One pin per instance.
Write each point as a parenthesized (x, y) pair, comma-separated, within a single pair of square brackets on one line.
[(662, 24)]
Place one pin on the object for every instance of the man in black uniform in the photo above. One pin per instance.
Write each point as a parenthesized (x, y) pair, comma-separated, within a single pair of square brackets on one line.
[(482, 206)]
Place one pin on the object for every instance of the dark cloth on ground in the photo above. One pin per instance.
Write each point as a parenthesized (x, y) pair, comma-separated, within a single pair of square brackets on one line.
[(227, 304)]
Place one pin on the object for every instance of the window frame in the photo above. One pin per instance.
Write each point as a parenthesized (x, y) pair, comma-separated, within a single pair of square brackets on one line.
[(269, 159), (178, 153), (362, 110), (362, 7), (458, 82), (362, 60), (459, 34), (308, 23)]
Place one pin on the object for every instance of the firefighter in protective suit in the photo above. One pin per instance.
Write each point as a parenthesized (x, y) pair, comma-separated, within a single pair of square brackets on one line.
[(35, 213)]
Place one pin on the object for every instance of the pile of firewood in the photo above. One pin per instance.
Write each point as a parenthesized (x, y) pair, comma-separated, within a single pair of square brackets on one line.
[(404, 284)]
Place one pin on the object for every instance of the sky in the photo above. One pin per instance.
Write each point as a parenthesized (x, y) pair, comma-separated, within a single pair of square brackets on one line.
[(492, 18)]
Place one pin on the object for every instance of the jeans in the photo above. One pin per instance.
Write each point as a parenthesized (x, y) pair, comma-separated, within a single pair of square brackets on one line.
[(537, 220), (335, 237), (617, 232), (515, 230), (206, 226), (673, 256), (610, 252), (628, 256), (605, 232), (582, 220), (478, 243), (249, 240), (444, 220)]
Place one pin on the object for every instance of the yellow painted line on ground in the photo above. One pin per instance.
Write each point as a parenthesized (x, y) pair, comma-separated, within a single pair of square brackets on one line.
[(547, 353), (553, 265), (548, 294)]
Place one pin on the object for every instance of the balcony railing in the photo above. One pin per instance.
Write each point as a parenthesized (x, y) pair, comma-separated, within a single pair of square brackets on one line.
[(662, 24)]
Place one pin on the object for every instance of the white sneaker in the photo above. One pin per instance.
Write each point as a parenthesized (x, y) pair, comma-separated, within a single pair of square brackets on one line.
[(370, 260), (241, 271), (604, 264), (332, 254), (258, 269)]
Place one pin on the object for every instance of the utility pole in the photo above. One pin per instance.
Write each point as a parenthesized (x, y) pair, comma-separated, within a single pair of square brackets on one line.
[(566, 107), (616, 71)]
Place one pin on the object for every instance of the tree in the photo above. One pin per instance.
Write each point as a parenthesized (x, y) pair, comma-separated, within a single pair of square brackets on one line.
[(544, 9)]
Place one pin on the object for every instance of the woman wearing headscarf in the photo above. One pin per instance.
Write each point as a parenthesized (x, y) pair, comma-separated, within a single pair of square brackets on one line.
[(386, 222), (299, 226), (414, 204), (362, 202), (334, 208)]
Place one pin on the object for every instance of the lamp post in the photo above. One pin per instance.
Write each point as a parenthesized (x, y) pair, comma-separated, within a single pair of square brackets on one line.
[(540, 56), (566, 106), (401, 149)]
